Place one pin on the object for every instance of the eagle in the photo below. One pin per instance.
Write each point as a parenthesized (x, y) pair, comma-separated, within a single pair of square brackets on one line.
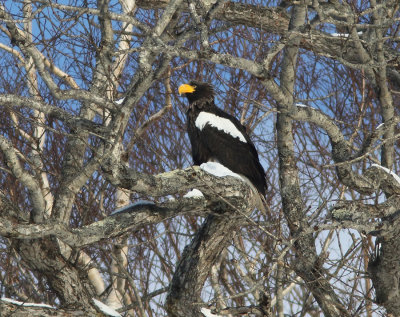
[(216, 136)]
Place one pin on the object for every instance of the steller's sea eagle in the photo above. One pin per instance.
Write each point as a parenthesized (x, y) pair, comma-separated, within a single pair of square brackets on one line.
[(219, 137)]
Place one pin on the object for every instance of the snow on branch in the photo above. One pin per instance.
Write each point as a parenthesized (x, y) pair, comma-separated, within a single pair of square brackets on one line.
[(301, 105), (346, 35), (105, 309), (207, 313), (394, 175), (119, 101), (172, 182), (16, 302), (218, 170), (194, 193)]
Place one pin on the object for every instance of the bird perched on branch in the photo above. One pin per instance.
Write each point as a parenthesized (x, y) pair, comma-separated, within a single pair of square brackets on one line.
[(216, 136)]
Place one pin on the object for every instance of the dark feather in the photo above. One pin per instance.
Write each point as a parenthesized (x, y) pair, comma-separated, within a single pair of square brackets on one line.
[(210, 143)]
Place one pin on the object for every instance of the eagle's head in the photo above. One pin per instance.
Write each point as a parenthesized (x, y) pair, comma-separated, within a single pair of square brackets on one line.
[(196, 90)]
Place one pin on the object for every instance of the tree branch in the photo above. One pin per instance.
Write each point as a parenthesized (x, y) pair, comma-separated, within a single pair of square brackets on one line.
[(139, 215)]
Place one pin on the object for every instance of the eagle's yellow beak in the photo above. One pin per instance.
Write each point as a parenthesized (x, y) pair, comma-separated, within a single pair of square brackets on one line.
[(185, 88)]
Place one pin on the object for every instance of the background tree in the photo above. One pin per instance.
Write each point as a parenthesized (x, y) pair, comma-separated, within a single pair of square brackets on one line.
[(91, 122)]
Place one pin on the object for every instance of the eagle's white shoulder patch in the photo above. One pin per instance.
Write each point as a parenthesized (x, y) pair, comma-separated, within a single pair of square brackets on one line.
[(220, 123)]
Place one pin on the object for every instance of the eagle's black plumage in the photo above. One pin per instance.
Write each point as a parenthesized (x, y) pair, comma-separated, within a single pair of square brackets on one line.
[(212, 144)]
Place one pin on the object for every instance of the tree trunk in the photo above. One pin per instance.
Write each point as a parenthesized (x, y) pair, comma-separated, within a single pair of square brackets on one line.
[(70, 283)]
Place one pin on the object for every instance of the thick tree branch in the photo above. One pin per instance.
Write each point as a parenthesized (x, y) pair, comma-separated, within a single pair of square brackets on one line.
[(308, 264), (276, 21), (10, 309), (201, 254), (73, 122), (26, 179), (137, 216), (341, 151), (30, 50)]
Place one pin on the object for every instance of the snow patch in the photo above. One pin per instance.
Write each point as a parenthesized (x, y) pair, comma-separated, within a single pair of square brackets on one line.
[(106, 309), (301, 105), (139, 202), (207, 313), (218, 170), (16, 302), (220, 123), (119, 101), (343, 34), (340, 34), (194, 193), (395, 176)]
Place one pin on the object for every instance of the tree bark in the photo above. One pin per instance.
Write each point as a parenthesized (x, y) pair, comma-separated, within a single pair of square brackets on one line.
[(199, 256), (308, 265), (70, 283)]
